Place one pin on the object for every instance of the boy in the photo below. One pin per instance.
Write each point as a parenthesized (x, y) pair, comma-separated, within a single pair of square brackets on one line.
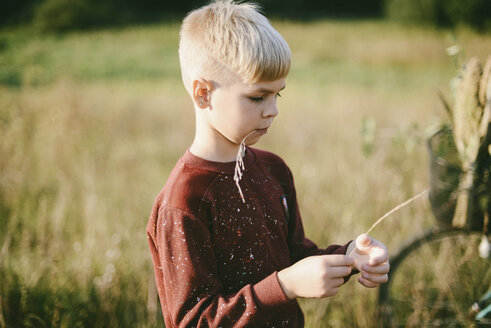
[(233, 253)]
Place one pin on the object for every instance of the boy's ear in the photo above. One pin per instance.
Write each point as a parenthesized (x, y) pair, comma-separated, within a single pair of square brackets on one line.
[(201, 92)]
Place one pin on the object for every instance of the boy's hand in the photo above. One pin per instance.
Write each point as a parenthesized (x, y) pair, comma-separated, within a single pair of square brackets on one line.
[(315, 276), (372, 259)]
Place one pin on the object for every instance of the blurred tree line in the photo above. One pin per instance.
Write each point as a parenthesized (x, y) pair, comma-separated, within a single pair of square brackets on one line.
[(62, 15)]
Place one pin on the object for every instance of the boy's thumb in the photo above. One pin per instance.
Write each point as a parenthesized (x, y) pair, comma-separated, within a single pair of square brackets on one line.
[(363, 241)]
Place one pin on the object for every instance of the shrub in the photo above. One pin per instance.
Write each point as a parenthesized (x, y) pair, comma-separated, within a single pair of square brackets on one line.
[(61, 15), (447, 13), (475, 13)]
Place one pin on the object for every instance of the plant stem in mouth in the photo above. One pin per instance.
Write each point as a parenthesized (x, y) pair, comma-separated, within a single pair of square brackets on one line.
[(239, 164)]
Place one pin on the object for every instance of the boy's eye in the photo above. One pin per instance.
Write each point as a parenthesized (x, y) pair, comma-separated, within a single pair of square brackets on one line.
[(256, 99), (260, 99)]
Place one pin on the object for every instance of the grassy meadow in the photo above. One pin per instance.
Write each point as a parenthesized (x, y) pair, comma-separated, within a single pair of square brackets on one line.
[(91, 123)]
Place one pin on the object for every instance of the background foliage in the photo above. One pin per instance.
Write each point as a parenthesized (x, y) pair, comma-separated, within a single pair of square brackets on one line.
[(474, 13), (63, 15)]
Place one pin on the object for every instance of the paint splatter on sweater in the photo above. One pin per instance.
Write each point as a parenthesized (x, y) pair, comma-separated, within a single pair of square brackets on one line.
[(215, 257)]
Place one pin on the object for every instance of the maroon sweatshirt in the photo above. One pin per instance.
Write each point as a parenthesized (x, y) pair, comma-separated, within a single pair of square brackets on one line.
[(215, 257)]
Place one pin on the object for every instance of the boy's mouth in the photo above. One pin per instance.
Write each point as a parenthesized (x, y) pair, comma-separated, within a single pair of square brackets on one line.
[(262, 131)]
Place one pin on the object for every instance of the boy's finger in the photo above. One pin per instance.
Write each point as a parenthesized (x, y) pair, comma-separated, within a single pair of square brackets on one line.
[(338, 282), (340, 271), (367, 283), (376, 278), (378, 255), (340, 260), (363, 241), (377, 260), (378, 269)]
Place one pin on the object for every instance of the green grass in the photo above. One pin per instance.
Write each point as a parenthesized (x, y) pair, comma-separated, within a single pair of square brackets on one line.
[(141, 53), (92, 123)]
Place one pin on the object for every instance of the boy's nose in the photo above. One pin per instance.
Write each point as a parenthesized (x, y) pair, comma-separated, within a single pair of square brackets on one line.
[(271, 110)]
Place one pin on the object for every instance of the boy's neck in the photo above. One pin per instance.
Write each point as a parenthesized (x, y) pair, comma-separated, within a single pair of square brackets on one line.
[(214, 152)]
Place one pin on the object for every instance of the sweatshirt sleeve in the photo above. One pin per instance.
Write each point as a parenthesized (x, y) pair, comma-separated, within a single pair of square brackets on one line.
[(189, 288)]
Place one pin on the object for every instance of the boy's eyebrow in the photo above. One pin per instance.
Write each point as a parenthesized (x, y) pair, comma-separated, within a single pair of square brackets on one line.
[(264, 90)]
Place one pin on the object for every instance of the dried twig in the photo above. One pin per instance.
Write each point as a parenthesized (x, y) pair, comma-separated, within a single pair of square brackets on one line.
[(239, 164), (383, 217)]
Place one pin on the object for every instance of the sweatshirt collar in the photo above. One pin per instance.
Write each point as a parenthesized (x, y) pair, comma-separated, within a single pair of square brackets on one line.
[(224, 167)]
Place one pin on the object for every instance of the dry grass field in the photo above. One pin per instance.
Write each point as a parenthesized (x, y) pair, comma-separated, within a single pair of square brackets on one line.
[(92, 123)]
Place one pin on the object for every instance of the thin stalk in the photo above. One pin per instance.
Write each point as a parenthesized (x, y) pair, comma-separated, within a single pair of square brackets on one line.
[(383, 217), (395, 209), (239, 164)]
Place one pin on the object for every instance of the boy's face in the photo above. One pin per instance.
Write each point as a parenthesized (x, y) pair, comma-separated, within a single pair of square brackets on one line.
[(237, 109)]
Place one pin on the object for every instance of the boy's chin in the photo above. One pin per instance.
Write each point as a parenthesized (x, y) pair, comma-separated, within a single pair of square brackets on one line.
[(252, 140)]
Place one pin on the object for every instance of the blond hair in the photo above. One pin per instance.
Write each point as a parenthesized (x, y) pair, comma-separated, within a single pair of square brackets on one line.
[(226, 40)]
